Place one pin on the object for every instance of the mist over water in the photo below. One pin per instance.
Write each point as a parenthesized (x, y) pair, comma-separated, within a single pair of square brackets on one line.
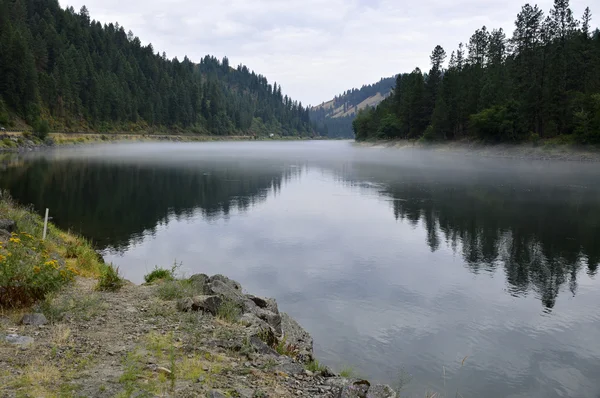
[(400, 263)]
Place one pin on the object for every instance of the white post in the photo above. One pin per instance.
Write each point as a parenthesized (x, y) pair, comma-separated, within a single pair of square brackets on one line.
[(45, 224)]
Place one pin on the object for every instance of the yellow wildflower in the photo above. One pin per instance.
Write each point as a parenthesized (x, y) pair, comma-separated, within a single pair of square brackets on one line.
[(15, 240), (36, 269), (2, 258)]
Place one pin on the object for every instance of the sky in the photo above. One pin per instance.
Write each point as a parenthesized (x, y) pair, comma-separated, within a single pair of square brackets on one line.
[(315, 49)]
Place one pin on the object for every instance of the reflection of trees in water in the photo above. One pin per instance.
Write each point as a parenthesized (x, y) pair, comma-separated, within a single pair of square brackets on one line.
[(115, 203), (540, 232)]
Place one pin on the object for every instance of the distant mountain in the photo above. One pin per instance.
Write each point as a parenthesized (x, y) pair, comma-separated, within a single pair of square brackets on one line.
[(334, 118)]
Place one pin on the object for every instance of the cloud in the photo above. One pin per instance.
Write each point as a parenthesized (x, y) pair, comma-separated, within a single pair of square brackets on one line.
[(314, 48)]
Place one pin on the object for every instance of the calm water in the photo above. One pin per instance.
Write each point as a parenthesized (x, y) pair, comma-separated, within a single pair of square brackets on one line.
[(400, 263)]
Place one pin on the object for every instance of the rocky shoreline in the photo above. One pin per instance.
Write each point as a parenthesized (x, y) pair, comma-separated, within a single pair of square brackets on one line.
[(212, 340)]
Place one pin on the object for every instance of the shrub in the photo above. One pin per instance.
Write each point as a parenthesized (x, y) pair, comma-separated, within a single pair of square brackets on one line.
[(27, 272), (160, 274), (110, 280), (41, 129)]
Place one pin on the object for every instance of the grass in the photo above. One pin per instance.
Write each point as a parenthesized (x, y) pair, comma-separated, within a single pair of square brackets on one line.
[(284, 348), (314, 366), (229, 311), (348, 372), (84, 308), (110, 280), (175, 289), (160, 274), (77, 252)]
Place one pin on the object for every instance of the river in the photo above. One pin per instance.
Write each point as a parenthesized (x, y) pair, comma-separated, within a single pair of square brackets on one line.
[(430, 271)]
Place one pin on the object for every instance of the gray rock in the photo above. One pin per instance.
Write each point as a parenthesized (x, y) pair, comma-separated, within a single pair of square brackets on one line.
[(339, 382), (209, 304), (231, 290), (19, 340), (357, 389), (215, 394), (4, 235), (291, 368), (295, 335), (245, 392), (200, 283), (327, 372), (7, 225), (381, 391), (261, 347), (226, 281), (35, 319)]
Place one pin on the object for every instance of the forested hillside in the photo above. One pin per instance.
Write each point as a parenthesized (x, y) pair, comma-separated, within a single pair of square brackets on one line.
[(334, 118), (542, 82), (61, 68)]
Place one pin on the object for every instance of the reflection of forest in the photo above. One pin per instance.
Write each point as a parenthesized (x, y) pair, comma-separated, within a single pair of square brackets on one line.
[(540, 232), (113, 203)]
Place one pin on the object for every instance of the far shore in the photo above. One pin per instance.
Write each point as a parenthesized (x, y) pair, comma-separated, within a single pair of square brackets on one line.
[(14, 141), (542, 150)]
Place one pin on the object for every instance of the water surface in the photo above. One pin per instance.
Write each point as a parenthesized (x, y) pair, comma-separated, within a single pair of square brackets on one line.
[(400, 263)]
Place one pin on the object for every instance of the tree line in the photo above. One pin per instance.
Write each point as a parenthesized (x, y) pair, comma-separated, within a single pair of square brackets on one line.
[(61, 68), (543, 82)]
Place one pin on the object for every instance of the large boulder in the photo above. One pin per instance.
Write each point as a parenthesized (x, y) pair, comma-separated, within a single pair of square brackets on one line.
[(7, 225), (230, 290), (295, 335)]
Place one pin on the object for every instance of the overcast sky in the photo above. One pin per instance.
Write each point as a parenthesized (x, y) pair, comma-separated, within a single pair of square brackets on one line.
[(314, 48)]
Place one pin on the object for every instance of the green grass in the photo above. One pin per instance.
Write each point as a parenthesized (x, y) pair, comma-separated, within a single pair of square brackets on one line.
[(110, 280), (160, 274), (347, 371), (314, 366), (229, 311)]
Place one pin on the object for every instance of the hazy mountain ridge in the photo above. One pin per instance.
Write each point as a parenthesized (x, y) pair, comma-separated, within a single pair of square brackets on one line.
[(334, 118)]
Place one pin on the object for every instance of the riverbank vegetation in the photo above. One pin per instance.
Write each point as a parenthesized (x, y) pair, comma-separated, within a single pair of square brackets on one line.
[(543, 82), (32, 268), (62, 71)]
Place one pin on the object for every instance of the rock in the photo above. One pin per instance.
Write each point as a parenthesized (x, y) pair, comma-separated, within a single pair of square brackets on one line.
[(381, 391), (295, 335), (4, 235), (209, 304), (245, 392), (230, 290), (215, 394), (7, 225), (291, 368), (36, 319), (357, 389), (261, 347), (19, 340), (226, 281), (200, 283), (309, 373), (327, 372)]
